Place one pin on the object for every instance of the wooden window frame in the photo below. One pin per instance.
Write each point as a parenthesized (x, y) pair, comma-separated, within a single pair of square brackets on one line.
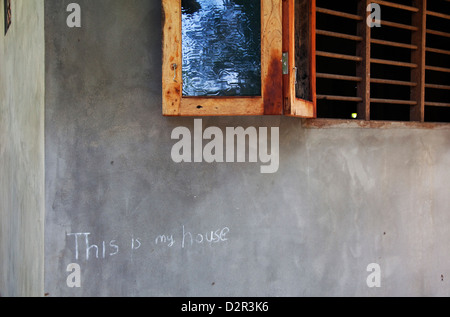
[(278, 79), (293, 106), (271, 100)]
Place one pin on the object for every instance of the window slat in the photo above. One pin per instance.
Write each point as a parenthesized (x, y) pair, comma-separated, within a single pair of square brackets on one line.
[(435, 86), (399, 25), (339, 98), (436, 50), (393, 63), (439, 33), (339, 35), (393, 101), (392, 82), (338, 77), (437, 104), (438, 69), (395, 44), (439, 15), (396, 5), (338, 56), (339, 14)]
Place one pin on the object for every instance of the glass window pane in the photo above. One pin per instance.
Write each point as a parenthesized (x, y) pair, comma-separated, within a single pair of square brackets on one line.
[(221, 44)]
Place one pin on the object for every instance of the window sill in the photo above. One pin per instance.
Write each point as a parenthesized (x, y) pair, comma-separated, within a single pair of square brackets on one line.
[(373, 124)]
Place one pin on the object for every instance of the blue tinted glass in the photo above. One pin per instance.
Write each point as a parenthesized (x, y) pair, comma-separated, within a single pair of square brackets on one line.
[(221, 47)]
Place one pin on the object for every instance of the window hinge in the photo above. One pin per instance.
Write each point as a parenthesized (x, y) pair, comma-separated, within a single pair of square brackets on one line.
[(285, 62)]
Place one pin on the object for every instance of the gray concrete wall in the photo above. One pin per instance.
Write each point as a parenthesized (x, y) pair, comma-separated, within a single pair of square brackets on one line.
[(341, 199), (22, 200)]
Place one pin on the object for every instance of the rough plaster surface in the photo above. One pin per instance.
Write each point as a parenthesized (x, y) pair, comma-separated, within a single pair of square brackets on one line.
[(342, 198), (22, 151)]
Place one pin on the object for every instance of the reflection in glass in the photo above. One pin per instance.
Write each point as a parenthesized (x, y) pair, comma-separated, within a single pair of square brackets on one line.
[(221, 47)]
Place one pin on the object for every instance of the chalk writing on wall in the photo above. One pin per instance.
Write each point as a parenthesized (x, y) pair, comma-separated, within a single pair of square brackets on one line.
[(86, 247)]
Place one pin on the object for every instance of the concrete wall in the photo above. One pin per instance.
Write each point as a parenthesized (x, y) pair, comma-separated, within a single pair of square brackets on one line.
[(22, 200), (341, 199)]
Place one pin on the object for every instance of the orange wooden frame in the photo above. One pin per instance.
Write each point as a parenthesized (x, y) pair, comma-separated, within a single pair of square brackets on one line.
[(278, 90), (270, 103), (294, 106)]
